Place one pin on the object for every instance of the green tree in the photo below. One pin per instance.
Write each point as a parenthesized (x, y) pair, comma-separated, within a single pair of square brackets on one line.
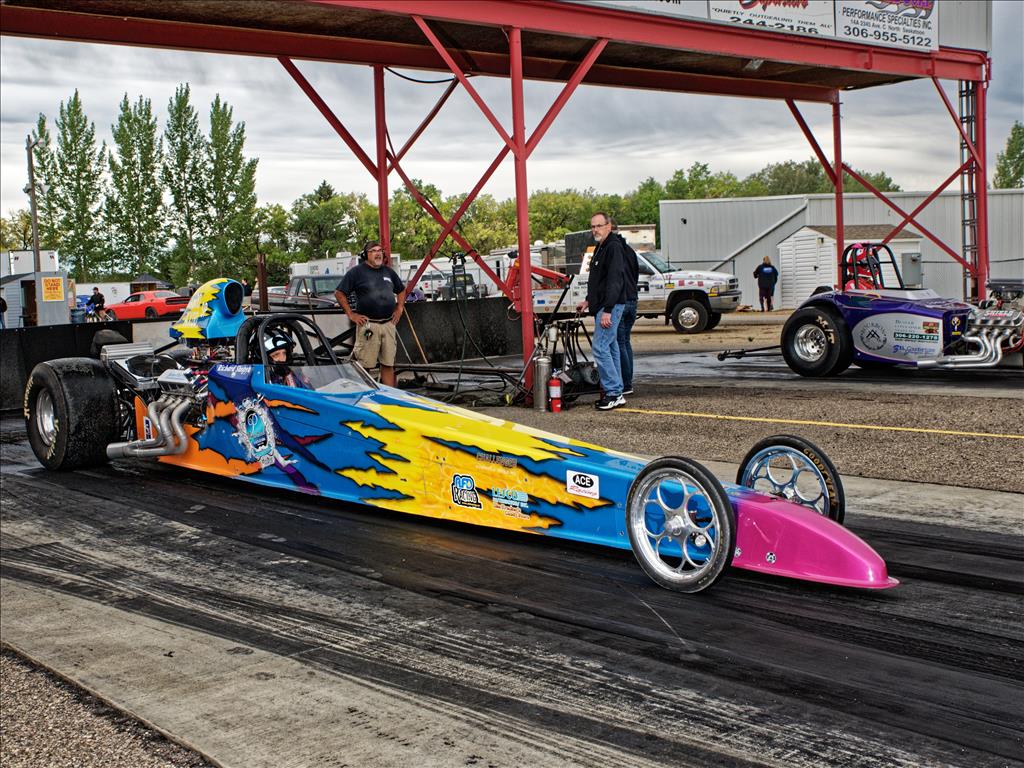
[(133, 207), (16, 231), (413, 230), (488, 223), (808, 178), (47, 209), (641, 205), (231, 201), (184, 175), (1010, 162), (272, 225), (324, 222), (699, 183), (879, 180), (553, 214), (77, 190)]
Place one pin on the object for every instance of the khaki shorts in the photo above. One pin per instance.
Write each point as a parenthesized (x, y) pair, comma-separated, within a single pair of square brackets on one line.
[(380, 347)]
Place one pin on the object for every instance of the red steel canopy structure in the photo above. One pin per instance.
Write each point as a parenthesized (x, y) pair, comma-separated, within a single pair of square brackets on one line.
[(568, 42)]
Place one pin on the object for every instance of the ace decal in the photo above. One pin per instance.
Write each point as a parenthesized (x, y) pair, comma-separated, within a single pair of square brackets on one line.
[(583, 484)]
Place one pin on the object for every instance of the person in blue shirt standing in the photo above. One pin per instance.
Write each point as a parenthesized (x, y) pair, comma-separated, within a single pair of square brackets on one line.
[(373, 297), (767, 276)]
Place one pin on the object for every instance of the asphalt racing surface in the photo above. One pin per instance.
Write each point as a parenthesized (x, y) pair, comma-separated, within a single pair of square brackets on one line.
[(266, 628)]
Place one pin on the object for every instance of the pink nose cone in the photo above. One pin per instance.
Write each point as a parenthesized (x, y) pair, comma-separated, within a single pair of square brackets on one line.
[(778, 537)]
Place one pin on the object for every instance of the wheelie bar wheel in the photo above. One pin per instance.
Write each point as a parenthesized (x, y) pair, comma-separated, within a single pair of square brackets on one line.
[(681, 524), (796, 470)]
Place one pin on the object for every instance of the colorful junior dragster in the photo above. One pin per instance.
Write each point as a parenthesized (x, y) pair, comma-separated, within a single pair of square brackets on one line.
[(266, 400)]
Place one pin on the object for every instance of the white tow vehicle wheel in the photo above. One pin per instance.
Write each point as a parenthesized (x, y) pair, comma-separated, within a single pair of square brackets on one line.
[(681, 524), (796, 470)]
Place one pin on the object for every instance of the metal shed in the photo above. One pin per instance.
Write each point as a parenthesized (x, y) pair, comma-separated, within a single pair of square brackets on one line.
[(807, 257)]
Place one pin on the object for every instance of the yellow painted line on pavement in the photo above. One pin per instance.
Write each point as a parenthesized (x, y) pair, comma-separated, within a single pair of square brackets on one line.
[(824, 424)]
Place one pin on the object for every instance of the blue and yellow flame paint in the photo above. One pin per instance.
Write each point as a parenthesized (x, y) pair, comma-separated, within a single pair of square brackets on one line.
[(387, 448)]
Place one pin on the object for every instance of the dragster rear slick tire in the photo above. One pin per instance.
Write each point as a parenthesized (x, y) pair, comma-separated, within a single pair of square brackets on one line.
[(681, 524), (70, 413), (816, 342)]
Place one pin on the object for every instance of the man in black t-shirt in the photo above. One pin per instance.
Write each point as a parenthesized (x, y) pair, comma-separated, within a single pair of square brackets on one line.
[(378, 294)]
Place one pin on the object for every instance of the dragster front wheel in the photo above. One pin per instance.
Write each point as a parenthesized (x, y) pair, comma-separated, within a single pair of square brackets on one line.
[(681, 524), (796, 470)]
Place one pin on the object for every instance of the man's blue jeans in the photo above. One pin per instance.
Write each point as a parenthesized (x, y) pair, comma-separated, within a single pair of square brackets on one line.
[(625, 346), (606, 352)]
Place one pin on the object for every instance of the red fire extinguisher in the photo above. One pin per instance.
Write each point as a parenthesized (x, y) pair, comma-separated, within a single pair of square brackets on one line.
[(555, 394)]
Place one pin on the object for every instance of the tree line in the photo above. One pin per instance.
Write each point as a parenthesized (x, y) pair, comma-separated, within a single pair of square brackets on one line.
[(181, 204), (176, 203)]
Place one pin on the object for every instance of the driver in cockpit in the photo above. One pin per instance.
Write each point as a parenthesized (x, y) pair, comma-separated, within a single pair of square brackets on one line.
[(279, 351)]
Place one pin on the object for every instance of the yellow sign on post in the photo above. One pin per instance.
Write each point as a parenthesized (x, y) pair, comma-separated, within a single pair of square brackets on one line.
[(53, 289)]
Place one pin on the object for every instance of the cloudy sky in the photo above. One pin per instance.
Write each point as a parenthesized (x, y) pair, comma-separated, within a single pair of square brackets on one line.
[(605, 138)]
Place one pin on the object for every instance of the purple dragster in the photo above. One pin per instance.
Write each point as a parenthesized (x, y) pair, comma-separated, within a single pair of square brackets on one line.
[(875, 321)]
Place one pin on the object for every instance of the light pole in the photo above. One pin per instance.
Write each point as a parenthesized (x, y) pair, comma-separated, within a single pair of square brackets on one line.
[(262, 241), (31, 189)]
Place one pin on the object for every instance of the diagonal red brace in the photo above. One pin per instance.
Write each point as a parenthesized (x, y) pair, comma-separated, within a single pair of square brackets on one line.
[(443, 52), (423, 125), (329, 115), (959, 125), (570, 87), (909, 218), (450, 225), (439, 218), (813, 142)]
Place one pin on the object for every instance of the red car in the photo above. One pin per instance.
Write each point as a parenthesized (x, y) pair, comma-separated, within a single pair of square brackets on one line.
[(148, 304)]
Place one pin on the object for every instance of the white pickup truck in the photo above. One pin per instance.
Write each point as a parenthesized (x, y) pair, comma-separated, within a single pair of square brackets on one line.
[(693, 301)]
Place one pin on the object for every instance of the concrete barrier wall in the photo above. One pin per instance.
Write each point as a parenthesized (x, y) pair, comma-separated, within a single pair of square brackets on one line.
[(440, 328), (21, 349)]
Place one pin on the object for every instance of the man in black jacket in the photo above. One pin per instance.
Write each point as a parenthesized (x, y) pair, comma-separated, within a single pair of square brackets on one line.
[(631, 275), (606, 297)]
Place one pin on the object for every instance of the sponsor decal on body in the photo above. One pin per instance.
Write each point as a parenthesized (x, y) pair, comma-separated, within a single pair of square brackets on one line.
[(511, 502), (256, 432), (235, 371), (872, 335), (583, 484), (496, 458), (464, 493)]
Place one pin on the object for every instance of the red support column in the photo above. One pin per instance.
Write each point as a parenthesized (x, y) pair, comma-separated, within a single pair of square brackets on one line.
[(381, 125), (515, 45), (981, 189), (837, 142)]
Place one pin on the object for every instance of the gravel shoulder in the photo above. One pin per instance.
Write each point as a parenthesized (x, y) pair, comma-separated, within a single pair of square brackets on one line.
[(47, 721)]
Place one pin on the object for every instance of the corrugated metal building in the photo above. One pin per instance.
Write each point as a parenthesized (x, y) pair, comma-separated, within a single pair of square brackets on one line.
[(734, 234)]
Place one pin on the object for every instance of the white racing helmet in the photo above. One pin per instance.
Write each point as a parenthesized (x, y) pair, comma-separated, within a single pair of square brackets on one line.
[(277, 340)]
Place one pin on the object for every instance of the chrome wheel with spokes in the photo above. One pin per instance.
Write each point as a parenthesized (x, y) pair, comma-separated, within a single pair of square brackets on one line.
[(810, 344), (796, 470), (681, 524)]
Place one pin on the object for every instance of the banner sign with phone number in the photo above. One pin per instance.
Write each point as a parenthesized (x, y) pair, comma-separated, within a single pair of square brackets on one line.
[(802, 17), (902, 24), (910, 24)]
